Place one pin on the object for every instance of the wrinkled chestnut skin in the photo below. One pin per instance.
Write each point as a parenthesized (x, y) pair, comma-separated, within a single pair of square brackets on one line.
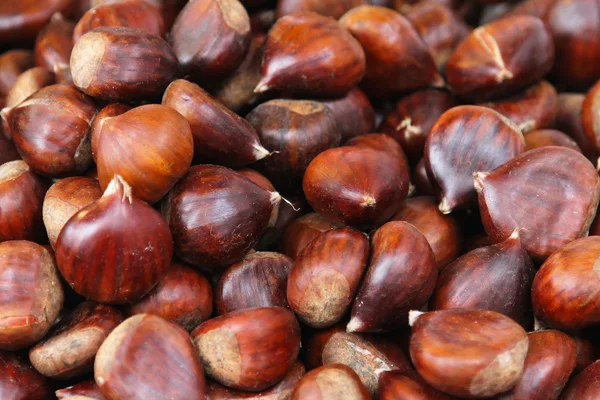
[(207, 235), (501, 58), (326, 275), (585, 386), (331, 382), (468, 353), (20, 21), (281, 391), (125, 13), (51, 130), (300, 232), (12, 64), (356, 185), (258, 280), (496, 278), (21, 199), (412, 118), (401, 276), (353, 113), (211, 37), (27, 84), (123, 369), (183, 296), (328, 8), (249, 349), (20, 381), (108, 261), (569, 121), (87, 389), (534, 108), (122, 64), (8, 151), (566, 289), (69, 349), (54, 43), (548, 365), (398, 61), (32, 296), (464, 140), (394, 385), (550, 212), (590, 115), (443, 232), (549, 137), (296, 131), (308, 54)]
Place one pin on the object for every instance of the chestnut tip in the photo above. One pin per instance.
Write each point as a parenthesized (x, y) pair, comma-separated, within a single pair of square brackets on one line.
[(598, 164), (118, 184), (444, 207), (368, 201), (539, 325), (490, 44), (259, 152), (478, 178), (57, 16), (59, 67), (262, 86), (4, 113), (355, 325), (526, 126), (413, 316), (409, 129)]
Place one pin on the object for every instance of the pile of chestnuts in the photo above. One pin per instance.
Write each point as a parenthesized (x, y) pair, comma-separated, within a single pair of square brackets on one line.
[(299, 199)]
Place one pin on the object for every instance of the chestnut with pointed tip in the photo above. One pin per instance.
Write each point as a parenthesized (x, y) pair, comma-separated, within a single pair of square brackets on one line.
[(585, 386), (312, 55), (147, 357), (549, 137), (326, 275), (353, 113), (394, 385), (550, 212), (468, 353), (20, 21), (331, 382), (87, 389), (12, 64), (27, 84), (249, 349), (109, 261), (301, 231), (20, 381), (54, 43)]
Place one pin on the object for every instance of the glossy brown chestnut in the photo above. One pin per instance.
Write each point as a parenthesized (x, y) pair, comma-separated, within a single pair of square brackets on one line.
[(125, 13), (111, 261), (550, 212), (443, 232), (326, 275), (51, 130), (168, 8), (289, 210), (183, 296), (569, 121), (401, 276), (420, 179), (257, 178), (111, 110), (122, 64), (412, 118), (548, 365), (302, 231), (332, 382), (394, 385), (147, 357), (381, 142), (70, 347), (464, 140), (296, 131), (249, 349), (468, 353), (208, 234), (32, 296), (54, 44), (585, 386), (353, 113), (86, 389), (328, 8), (220, 135), (501, 58), (20, 21), (64, 199), (8, 151), (258, 280), (398, 61), (590, 118), (312, 55), (211, 38), (20, 381), (150, 146), (549, 137), (27, 84), (12, 64), (496, 278)]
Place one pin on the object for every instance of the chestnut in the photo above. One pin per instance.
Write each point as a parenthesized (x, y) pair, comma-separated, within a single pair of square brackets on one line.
[(398, 61), (51, 130), (109, 261), (27, 84), (585, 386), (122, 64), (150, 163), (500, 58), (328, 8), (468, 353), (54, 44), (8, 151), (477, 134), (326, 275), (12, 64), (168, 8), (70, 347), (289, 210), (332, 382), (385, 143), (111, 110), (536, 8), (589, 115), (183, 296), (20, 381), (549, 137), (210, 37), (87, 389), (569, 121), (301, 231), (32, 296), (313, 342), (20, 21), (147, 357), (401, 276), (420, 179), (309, 54), (220, 135), (395, 385), (549, 212), (249, 349), (353, 113), (21, 198)]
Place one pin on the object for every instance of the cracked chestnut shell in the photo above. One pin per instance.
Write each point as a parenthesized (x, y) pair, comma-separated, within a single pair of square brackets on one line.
[(550, 212), (468, 353), (107, 260), (332, 382), (19, 380), (585, 386), (300, 232), (249, 349)]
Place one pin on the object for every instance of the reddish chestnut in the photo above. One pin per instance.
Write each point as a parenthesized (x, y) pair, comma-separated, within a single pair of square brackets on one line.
[(328, 8), (8, 151), (332, 382), (27, 84), (549, 137), (590, 115), (20, 381), (20, 21), (395, 385), (302, 231), (314, 341), (353, 113), (54, 43), (569, 121), (86, 389), (12, 64), (420, 179), (585, 386)]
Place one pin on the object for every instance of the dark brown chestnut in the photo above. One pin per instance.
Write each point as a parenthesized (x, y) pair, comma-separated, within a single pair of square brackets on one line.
[(382, 142), (549, 212), (585, 386), (590, 115), (289, 210), (8, 151), (302, 231), (54, 43), (549, 137), (20, 21), (328, 8), (87, 389), (569, 121), (27, 84), (12, 64), (420, 179), (249, 349), (394, 385), (20, 381), (332, 382), (326, 275), (313, 342), (111, 261), (353, 113)]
